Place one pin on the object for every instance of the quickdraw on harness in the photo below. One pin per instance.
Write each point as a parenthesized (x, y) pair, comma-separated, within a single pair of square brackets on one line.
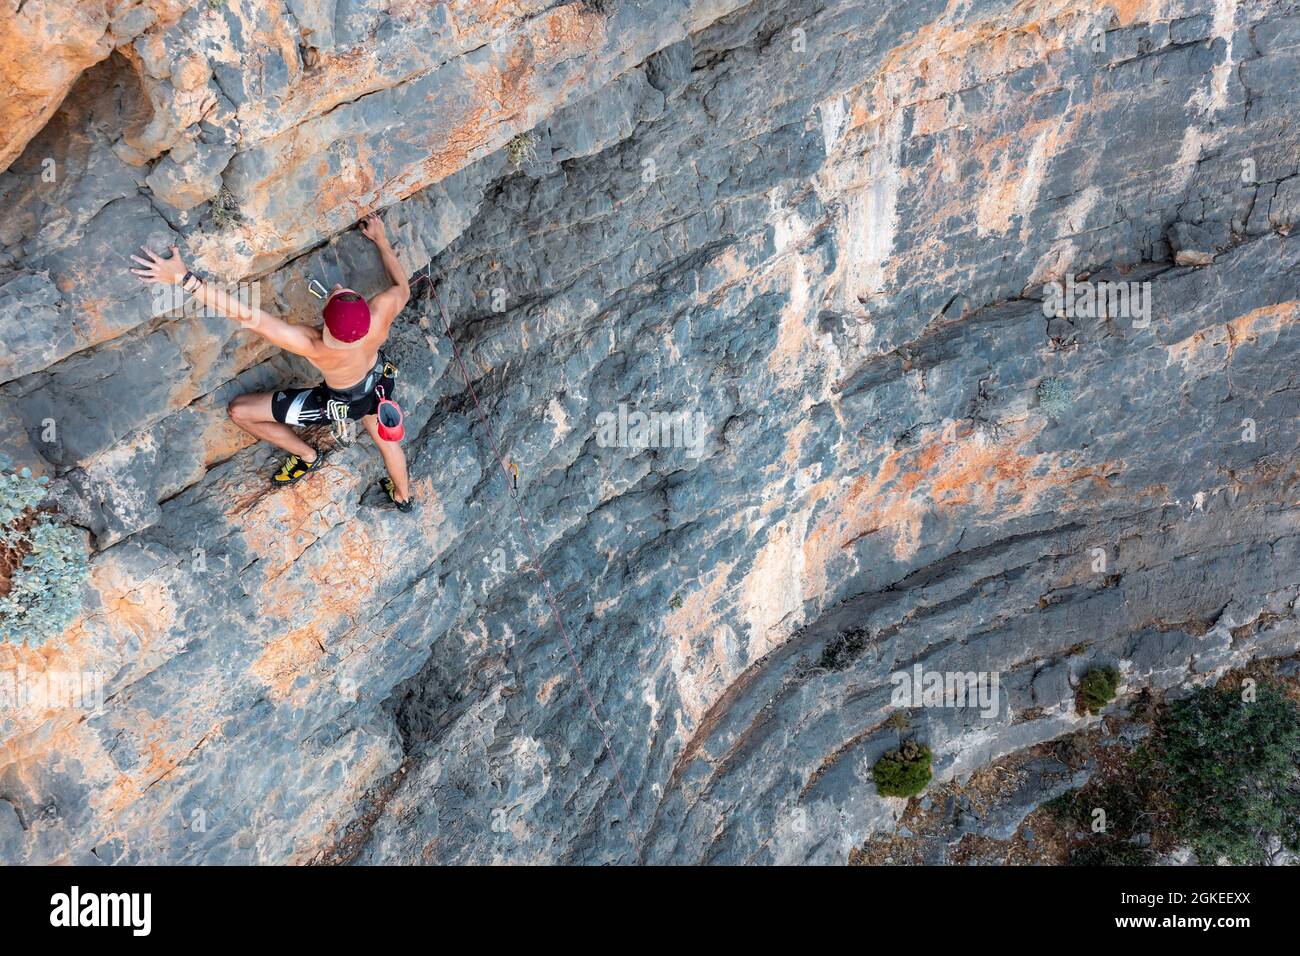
[(344, 429), (389, 413)]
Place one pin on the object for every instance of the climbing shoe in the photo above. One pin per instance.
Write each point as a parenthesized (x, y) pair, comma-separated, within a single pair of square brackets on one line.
[(294, 469), (390, 499)]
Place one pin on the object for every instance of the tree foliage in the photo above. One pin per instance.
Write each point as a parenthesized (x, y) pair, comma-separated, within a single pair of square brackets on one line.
[(903, 772)]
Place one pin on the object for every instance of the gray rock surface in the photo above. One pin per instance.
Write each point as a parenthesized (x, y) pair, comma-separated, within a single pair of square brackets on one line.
[(825, 227)]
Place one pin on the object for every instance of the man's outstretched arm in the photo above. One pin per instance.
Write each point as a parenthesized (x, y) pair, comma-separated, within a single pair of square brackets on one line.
[(291, 338), (394, 298)]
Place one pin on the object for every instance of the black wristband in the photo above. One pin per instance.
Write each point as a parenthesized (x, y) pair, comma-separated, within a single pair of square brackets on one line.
[(185, 281)]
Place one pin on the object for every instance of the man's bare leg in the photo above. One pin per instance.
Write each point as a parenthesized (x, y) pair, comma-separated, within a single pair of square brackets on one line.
[(394, 458), (252, 413)]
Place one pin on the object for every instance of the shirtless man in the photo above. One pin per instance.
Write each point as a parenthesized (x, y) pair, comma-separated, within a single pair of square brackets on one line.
[(346, 350)]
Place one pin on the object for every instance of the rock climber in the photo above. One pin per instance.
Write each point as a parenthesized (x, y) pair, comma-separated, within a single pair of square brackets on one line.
[(346, 350)]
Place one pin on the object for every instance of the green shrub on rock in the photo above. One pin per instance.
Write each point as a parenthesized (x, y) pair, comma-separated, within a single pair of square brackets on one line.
[(1098, 688), (903, 772), (42, 562), (522, 148), (1231, 768)]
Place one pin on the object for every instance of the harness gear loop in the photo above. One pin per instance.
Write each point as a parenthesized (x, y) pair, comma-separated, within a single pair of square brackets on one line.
[(344, 429)]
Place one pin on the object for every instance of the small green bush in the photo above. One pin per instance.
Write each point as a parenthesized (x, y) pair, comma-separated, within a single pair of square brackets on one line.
[(843, 649), (1098, 688), (521, 148), (903, 772), (1232, 772), (224, 209), (1054, 396), (898, 720), (45, 562)]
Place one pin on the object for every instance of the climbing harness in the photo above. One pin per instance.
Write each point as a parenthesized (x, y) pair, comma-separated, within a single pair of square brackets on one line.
[(511, 474), (342, 407)]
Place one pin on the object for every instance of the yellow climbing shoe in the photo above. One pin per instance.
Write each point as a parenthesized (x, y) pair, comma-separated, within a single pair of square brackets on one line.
[(295, 469), (391, 490)]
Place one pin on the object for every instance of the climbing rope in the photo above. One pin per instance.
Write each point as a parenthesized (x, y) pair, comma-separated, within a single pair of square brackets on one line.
[(510, 473)]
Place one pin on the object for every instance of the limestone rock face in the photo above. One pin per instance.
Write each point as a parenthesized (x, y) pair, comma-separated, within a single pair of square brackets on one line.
[(814, 237)]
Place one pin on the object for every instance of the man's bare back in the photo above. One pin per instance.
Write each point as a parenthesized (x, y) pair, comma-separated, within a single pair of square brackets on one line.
[(344, 368)]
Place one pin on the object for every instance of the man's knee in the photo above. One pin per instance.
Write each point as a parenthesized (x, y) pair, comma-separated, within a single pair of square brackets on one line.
[(242, 409)]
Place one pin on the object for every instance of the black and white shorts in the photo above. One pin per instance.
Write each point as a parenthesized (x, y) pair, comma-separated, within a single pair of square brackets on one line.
[(309, 406)]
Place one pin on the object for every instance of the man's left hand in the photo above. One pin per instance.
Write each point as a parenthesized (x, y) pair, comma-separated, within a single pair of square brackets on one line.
[(372, 227)]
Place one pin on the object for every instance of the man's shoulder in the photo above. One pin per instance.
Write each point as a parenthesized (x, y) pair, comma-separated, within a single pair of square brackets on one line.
[(385, 308), (387, 303), (317, 340)]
